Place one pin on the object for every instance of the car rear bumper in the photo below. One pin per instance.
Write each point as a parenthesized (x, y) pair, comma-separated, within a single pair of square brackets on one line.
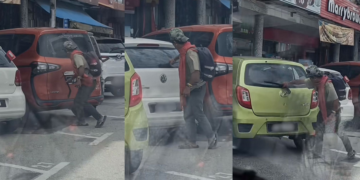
[(247, 125), (16, 105), (136, 128)]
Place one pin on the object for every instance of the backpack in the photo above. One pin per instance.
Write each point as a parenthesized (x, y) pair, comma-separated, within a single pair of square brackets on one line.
[(207, 64), (94, 63), (339, 85)]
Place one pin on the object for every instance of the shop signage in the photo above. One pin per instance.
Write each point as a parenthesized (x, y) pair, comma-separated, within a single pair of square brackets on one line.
[(10, 1), (331, 33), (309, 5), (351, 14), (343, 12)]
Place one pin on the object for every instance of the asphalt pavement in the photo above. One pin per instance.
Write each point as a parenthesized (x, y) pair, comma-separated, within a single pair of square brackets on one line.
[(167, 161), (59, 151), (278, 159)]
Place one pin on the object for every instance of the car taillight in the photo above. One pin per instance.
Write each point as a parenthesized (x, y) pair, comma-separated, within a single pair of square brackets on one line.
[(17, 78), (40, 68), (350, 94), (243, 97), (314, 100), (135, 90), (222, 68)]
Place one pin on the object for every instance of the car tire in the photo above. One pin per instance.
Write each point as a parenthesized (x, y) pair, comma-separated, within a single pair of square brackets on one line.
[(117, 92), (159, 136), (242, 144), (299, 143), (11, 126), (132, 162)]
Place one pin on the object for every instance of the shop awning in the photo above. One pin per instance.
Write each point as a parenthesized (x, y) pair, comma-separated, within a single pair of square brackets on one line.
[(10, 1), (226, 3), (71, 12)]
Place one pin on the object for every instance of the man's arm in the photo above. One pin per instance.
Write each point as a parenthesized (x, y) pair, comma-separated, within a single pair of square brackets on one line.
[(192, 59), (332, 97), (173, 61), (79, 62)]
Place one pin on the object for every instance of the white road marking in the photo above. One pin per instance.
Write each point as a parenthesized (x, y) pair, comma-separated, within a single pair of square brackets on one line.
[(77, 135), (116, 117), (343, 152), (43, 165), (47, 174), (100, 139), (187, 175), (22, 167)]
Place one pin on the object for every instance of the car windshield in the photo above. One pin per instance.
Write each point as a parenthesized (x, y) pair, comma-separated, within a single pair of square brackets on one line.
[(110, 46), (151, 57), (272, 75)]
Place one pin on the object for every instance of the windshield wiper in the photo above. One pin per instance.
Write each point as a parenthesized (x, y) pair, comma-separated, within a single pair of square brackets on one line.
[(280, 86)]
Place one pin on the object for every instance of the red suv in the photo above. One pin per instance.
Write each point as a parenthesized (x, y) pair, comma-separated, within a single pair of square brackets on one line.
[(218, 38), (45, 66)]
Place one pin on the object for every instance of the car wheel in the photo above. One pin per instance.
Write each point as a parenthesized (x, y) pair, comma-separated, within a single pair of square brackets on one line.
[(117, 92), (299, 143), (132, 161), (242, 144), (11, 126)]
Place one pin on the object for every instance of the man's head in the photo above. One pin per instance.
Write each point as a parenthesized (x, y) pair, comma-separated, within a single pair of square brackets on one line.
[(314, 74), (178, 38), (69, 46)]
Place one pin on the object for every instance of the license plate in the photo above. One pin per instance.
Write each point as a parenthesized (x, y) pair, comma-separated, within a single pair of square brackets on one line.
[(282, 127), (164, 107), (2, 103)]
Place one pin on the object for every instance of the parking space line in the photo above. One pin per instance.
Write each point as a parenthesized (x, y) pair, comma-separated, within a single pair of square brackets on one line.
[(52, 171), (343, 152), (23, 168), (78, 135), (187, 175), (100, 139), (116, 117)]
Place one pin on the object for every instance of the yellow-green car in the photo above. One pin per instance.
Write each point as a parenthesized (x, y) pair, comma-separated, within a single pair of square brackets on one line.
[(262, 107), (136, 122)]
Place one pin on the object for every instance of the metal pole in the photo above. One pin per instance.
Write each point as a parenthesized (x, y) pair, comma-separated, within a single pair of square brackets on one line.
[(52, 13), (24, 13), (170, 13), (259, 30), (356, 47), (336, 52)]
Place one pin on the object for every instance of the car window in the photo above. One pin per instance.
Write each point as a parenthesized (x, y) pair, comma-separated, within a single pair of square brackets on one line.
[(224, 44), (151, 57), (272, 75), (111, 47), (17, 43), (354, 71), (200, 39), (4, 62), (96, 47), (342, 69), (52, 45)]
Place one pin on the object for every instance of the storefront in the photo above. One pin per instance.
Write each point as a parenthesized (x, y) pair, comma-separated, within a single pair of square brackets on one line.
[(9, 8), (338, 14)]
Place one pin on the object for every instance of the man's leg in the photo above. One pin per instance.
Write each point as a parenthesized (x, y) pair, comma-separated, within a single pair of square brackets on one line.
[(79, 103), (344, 138), (190, 127), (196, 101), (91, 110), (319, 137)]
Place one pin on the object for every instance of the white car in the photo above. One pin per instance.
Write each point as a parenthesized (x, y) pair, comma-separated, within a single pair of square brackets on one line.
[(113, 68), (347, 106), (12, 98), (160, 91)]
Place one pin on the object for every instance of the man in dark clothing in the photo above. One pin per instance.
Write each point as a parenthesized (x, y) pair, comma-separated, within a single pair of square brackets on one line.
[(329, 109), (86, 84), (192, 90)]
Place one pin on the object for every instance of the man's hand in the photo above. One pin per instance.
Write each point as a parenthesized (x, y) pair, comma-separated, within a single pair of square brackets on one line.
[(186, 91), (78, 83), (171, 62), (286, 85)]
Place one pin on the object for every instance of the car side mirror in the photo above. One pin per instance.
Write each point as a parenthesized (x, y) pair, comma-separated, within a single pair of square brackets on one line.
[(10, 56)]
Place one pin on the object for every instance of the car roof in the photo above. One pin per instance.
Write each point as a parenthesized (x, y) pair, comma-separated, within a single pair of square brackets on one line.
[(39, 30), (133, 42), (206, 28), (328, 70)]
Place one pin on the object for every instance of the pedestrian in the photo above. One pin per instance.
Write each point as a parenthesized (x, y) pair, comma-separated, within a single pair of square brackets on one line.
[(329, 109), (192, 91), (86, 84)]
